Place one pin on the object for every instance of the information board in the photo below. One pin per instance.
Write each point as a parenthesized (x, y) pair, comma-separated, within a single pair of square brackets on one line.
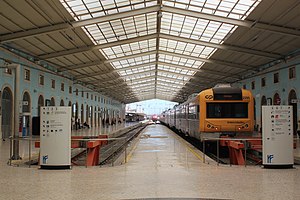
[(55, 137), (277, 132)]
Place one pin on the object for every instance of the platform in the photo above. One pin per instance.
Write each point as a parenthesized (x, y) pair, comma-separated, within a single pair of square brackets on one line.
[(161, 166)]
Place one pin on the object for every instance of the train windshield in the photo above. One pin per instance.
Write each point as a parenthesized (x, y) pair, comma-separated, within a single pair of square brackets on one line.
[(227, 110)]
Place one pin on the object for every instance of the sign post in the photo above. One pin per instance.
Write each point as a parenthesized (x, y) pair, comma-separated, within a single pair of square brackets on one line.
[(55, 126), (277, 132)]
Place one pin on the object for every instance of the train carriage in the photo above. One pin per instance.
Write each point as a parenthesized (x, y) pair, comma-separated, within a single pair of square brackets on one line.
[(215, 111)]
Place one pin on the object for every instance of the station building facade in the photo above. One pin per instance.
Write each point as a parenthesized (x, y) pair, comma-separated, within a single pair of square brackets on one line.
[(43, 87), (278, 84)]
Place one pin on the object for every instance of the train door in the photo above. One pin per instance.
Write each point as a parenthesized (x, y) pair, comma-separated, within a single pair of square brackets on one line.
[(293, 102), (7, 110)]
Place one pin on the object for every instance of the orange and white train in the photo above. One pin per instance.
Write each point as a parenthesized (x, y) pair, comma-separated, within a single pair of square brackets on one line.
[(214, 111)]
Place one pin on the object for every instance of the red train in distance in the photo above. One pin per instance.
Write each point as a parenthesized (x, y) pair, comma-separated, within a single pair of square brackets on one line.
[(154, 118)]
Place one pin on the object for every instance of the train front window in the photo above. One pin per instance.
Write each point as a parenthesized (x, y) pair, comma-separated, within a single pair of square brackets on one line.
[(227, 110)]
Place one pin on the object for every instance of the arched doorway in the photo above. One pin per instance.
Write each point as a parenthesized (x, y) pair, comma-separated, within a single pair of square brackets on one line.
[(99, 117), (26, 114), (7, 110), (293, 96), (276, 99), (62, 103), (95, 117), (70, 103), (76, 111), (73, 110), (87, 114), (36, 119), (52, 101), (263, 101), (40, 104), (92, 115), (82, 114)]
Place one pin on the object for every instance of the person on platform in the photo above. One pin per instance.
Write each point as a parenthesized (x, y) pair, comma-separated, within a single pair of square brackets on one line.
[(86, 125)]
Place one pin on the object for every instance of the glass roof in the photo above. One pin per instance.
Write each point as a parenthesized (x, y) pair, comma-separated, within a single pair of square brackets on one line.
[(142, 63)]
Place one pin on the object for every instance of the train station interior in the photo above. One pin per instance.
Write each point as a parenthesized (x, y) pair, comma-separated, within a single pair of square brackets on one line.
[(70, 68)]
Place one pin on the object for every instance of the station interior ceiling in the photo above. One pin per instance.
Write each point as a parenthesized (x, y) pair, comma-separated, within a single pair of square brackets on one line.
[(134, 50)]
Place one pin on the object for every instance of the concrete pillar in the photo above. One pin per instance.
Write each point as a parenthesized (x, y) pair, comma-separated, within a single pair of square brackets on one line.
[(15, 132)]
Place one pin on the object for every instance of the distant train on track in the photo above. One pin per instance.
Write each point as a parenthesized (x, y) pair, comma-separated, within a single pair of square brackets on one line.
[(219, 110)]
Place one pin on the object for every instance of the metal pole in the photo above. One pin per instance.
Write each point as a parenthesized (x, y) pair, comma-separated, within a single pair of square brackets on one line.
[(245, 145), (125, 153), (29, 152), (203, 143), (10, 149), (218, 151), (86, 154)]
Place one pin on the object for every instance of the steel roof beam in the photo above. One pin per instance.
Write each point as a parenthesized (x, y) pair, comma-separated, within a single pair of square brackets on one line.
[(98, 82), (79, 77), (159, 91), (222, 46), (135, 80), (75, 24), (212, 61), (243, 23), (97, 47), (158, 27), (114, 71), (94, 63), (199, 70)]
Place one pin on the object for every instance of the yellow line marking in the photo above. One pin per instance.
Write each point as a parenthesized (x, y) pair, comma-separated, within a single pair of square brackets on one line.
[(189, 148), (128, 157), (193, 152)]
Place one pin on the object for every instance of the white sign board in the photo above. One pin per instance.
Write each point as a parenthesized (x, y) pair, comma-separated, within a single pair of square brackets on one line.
[(55, 138), (277, 132)]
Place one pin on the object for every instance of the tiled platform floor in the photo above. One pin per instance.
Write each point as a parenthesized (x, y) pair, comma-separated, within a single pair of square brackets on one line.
[(162, 166)]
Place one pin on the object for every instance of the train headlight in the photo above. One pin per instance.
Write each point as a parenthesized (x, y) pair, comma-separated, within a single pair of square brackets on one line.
[(246, 125), (208, 125)]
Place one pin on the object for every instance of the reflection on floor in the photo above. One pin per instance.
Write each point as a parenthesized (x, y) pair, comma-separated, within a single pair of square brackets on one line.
[(163, 166)]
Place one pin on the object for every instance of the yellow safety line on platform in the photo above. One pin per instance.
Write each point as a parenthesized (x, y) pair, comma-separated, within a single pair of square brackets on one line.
[(128, 157), (193, 152), (189, 148)]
